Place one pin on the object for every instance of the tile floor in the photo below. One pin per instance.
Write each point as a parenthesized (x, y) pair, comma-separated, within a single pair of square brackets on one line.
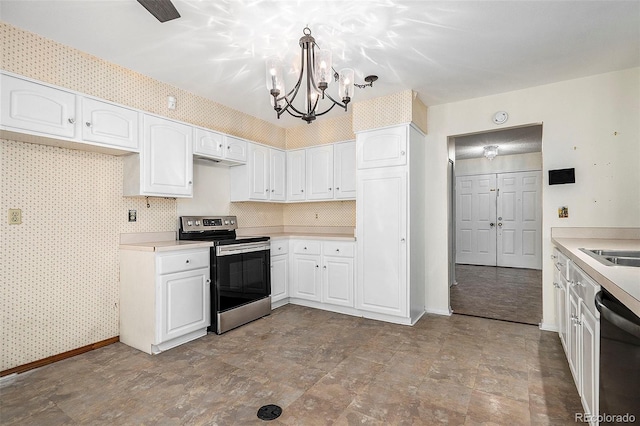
[(321, 368), (510, 294)]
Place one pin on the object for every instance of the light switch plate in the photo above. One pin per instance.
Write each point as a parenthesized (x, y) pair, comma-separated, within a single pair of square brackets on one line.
[(133, 215), (15, 216)]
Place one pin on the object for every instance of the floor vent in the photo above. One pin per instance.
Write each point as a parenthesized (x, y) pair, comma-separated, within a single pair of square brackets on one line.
[(269, 412)]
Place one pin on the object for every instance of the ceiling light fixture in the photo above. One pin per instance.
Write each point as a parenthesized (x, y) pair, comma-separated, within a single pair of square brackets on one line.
[(316, 71), (490, 151)]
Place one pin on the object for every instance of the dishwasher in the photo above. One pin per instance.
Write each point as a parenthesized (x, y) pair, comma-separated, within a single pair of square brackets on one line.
[(619, 399)]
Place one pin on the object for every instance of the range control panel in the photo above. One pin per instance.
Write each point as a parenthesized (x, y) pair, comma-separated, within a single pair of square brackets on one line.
[(208, 223)]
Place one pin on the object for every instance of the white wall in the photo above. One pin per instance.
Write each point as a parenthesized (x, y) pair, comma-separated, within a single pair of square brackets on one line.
[(211, 192), (589, 123), (500, 164)]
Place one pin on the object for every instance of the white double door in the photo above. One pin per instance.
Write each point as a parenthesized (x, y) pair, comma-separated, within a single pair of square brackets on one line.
[(498, 220)]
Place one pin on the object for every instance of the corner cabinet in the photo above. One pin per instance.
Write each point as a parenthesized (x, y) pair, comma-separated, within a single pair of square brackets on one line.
[(319, 171), (296, 174), (390, 209), (344, 162), (262, 178), (164, 166), (164, 298)]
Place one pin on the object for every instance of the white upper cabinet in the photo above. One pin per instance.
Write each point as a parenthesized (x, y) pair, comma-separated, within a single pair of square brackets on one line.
[(345, 170), (209, 144), (164, 167), (109, 124), (277, 182), (296, 175), (262, 178), (236, 149), (383, 148), (219, 146), (319, 169), (32, 107)]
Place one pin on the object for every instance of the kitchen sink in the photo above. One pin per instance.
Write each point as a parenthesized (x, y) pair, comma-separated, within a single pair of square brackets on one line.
[(615, 257)]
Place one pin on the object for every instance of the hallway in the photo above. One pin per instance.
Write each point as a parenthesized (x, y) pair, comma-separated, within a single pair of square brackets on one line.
[(510, 294)]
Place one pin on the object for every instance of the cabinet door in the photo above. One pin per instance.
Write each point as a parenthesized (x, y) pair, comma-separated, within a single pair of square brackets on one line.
[(109, 124), (236, 149), (382, 148), (184, 303), (259, 172), (561, 309), (337, 282), (574, 335), (319, 173), (306, 278), (590, 365), (345, 170), (277, 179), (382, 242), (167, 158), (33, 107), (209, 144), (279, 274), (296, 175)]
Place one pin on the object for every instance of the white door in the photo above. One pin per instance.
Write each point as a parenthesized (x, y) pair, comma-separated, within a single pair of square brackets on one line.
[(277, 179), (109, 124), (337, 287), (345, 170), (475, 220), (320, 173), (296, 176), (382, 241), (167, 155), (519, 221), (259, 178)]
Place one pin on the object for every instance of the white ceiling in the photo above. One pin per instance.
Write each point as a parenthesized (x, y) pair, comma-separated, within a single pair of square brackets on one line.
[(518, 140), (444, 50)]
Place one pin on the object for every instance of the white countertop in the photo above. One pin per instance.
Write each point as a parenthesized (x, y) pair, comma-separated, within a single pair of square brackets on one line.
[(170, 245), (623, 282), (310, 236)]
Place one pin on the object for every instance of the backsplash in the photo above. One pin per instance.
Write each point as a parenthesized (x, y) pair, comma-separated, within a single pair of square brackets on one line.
[(327, 213), (59, 267)]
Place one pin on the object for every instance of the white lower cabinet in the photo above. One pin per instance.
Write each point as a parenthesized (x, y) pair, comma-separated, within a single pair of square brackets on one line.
[(338, 277), (279, 270), (164, 298), (579, 329), (305, 266)]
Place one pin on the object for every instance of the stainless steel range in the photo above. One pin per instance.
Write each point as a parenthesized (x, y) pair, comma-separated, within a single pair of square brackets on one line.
[(240, 270)]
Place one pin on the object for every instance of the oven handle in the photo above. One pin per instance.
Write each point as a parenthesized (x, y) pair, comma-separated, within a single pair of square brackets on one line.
[(241, 248), (616, 319)]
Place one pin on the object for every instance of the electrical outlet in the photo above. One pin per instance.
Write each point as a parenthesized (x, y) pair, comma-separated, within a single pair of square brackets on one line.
[(15, 216), (316, 215), (133, 215)]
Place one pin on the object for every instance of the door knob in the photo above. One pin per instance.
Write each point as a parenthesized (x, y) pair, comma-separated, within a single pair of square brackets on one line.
[(499, 223), (492, 224)]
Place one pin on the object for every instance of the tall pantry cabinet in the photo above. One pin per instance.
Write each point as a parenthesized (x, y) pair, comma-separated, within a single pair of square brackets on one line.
[(390, 212)]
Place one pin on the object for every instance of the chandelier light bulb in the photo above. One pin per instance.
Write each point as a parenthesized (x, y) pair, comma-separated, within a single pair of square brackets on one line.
[(490, 151)]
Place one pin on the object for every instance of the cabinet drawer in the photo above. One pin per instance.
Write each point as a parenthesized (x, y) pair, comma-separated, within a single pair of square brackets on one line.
[(184, 261), (306, 247), (585, 286), (561, 263), (279, 247), (338, 249)]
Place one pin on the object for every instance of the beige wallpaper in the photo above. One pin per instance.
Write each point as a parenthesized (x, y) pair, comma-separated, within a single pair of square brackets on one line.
[(322, 131), (383, 111), (42, 59), (419, 113), (327, 213), (59, 268), (256, 214)]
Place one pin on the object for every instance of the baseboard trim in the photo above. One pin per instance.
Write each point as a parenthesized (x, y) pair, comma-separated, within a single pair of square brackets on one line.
[(548, 327), (59, 357), (439, 312)]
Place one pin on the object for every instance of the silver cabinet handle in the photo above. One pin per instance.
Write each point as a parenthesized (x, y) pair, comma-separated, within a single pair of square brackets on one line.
[(325, 266), (72, 120), (273, 190), (402, 240), (329, 189), (499, 223), (220, 146), (279, 248), (338, 250), (491, 225), (190, 182), (188, 261), (337, 188), (553, 256), (87, 124), (401, 152), (305, 248), (317, 266), (302, 190), (208, 281), (228, 147)]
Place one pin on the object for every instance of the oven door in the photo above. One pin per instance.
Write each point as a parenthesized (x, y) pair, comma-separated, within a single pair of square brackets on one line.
[(242, 274)]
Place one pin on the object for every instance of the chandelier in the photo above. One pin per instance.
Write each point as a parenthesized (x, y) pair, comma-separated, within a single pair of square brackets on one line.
[(316, 72), (490, 151)]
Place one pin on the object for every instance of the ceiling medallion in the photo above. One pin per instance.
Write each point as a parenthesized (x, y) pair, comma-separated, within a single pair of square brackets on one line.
[(317, 72)]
